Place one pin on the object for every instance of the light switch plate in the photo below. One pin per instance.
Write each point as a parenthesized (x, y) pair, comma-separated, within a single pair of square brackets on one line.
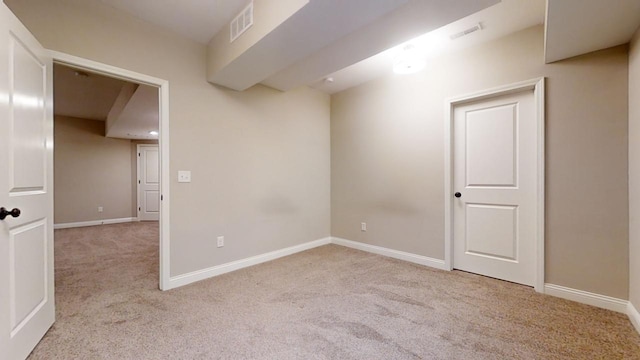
[(184, 176)]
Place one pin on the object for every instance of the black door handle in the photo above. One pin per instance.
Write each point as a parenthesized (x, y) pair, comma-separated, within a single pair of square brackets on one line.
[(4, 213), (457, 195)]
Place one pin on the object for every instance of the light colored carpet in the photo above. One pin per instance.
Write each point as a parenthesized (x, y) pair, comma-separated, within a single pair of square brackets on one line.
[(327, 303)]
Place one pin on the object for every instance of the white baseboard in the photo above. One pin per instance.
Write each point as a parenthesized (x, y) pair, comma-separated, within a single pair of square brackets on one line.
[(181, 280), (396, 254), (585, 297), (634, 316), (94, 223)]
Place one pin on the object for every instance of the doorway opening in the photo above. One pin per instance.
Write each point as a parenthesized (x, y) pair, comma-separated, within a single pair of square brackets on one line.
[(103, 115)]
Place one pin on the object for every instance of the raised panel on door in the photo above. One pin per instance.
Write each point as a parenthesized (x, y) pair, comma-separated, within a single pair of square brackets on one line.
[(152, 201), (491, 146), (151, 167), (27, 272), (492, 231), (27, 119)]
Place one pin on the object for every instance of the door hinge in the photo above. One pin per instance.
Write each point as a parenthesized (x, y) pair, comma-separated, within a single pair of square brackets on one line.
[(138, 154), (161, 197), (139, 209), (138, 181)]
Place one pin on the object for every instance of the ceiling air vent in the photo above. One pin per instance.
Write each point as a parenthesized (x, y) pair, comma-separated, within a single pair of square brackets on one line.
[(242, 22), (466, 31)]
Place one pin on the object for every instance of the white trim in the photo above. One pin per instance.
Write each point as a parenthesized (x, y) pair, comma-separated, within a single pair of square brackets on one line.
[(539, 94), (203, 274), (634, 316), (396, 254), (94, 223), (585, 297), (537, 85), (163, 142)]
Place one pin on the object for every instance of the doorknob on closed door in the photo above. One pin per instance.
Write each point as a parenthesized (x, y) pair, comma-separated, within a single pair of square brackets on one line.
[(457, 195), (4, 213)]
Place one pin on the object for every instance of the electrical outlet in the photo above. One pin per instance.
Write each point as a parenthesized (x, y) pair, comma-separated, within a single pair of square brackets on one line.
[(184, 176), (220, 241), (100, 209), (363, 226)]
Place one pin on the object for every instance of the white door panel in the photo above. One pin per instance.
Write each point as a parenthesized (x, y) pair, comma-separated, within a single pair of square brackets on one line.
[(148, 182), (151, 201), (26, 183), (495, 171), (492, 230), (491, 146)]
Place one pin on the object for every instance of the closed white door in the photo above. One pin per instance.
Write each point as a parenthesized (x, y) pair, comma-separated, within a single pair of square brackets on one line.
[(495, 184), (26, 188), (148, 183)]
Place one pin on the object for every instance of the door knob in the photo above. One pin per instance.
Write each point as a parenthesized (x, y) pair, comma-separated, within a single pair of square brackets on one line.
[(4, 213), (457, 195)]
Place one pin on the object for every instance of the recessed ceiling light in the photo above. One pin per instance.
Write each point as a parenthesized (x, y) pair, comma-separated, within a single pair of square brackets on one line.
[(153, 132), (409, 61)]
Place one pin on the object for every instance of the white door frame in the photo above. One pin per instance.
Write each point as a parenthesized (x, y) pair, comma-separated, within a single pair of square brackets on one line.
[(537, 85), (163, 141)]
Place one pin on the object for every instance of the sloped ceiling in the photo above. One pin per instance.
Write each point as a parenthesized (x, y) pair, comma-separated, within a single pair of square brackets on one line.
[(353, 41), (196, 19), (83, 95), (92, 96), (497, 21), (576, 27), (327, 35)]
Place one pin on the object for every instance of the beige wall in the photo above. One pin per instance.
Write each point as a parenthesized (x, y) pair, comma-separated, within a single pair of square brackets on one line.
[(634, 171), (387, 156), (259, 159), (90, 170)]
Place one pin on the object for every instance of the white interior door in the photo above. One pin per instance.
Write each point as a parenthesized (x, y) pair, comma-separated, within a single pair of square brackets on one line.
[(26, 183), (148, 183), (495, 183)]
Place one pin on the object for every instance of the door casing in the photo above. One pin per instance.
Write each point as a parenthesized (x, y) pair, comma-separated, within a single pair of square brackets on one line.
[(538, 87), (163, 142)]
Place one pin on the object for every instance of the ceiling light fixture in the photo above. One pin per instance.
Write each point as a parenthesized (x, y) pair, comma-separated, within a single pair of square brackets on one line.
[(153, 132), (409, 61)]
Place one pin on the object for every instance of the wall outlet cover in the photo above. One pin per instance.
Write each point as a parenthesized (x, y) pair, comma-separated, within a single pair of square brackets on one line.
[(184, 176)]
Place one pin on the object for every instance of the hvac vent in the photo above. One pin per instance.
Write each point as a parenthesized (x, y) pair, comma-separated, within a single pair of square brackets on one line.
[(466, 32), (242, 22)]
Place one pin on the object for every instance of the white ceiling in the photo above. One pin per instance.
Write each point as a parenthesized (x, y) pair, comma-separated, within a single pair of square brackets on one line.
[(198, 20), (85, 97), (497, 21), (139, 116), (91, 96), (573, 27), (576, 27), (361, 29)]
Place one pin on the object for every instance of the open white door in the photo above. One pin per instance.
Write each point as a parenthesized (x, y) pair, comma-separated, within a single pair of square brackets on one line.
[(148, 182), (26, 185)]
